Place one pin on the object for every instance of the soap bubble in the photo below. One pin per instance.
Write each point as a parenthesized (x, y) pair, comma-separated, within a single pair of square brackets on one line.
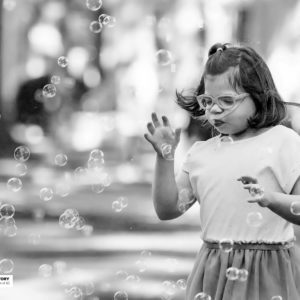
[(45, 270), (14, 184), (121, 275), (202, 296), (61, 159), (166, 151), (55, 79), (22, 153), (277, 297), (87, 230), (123, 201), (117, 206), (62, 61), (98, 188), (46, 194), (21, 169), (256, 191), (95, 27), (7, 211), (96, 154), (254, 219), (6, 266), (120, 295), (242, 275), (141, 265), (164, 57), (295, 208), (226, 245), (181, 283), (49, 90), (93, 4), (232, 273), (10, 230), (169, 287)]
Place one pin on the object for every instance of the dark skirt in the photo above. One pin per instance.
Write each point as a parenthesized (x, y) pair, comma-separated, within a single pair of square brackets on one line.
[(257, 272)]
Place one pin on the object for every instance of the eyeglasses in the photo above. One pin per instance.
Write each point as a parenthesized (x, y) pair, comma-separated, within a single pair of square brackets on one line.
[(224, 102)]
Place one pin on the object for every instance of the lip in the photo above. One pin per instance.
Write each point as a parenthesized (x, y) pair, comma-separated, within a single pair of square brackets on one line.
[(218, 123)]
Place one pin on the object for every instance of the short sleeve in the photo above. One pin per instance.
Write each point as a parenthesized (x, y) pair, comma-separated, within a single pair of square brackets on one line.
[(187, 163), (287, 168)]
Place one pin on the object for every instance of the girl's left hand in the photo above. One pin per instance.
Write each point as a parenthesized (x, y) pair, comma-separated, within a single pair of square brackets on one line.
[(260, 196)]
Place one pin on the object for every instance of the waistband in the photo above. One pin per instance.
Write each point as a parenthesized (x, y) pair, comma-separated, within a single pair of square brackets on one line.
[(251, 246)]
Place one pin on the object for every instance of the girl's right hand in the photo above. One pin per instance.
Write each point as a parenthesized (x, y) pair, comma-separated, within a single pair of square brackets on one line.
[(162, 134)]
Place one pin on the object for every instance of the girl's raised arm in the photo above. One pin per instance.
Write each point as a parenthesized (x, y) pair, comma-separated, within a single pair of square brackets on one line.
[(164, 189)]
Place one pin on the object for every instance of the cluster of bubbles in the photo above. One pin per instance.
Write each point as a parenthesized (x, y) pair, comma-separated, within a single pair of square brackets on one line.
[(171, 287), (6, 266), (233, 273), (256, 191), (167, 151), (185, 198), (7, 222), (143, 261), (70, 219), (21, 155), (119, 204), (103, 20)]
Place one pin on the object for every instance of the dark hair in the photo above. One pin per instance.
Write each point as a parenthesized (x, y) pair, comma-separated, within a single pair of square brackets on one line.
[(250, 73)]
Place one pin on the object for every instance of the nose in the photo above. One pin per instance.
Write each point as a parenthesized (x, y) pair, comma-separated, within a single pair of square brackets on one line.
[(215, 109)]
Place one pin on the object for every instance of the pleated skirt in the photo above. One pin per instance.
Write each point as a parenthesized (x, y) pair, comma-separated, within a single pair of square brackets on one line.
[(248, 271)]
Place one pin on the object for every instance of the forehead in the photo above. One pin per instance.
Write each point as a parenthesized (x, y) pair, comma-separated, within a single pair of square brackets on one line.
[(219, 84)]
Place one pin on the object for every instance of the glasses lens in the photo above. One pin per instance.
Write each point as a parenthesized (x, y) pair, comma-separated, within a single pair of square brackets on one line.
[(205, 101), (226, 101)]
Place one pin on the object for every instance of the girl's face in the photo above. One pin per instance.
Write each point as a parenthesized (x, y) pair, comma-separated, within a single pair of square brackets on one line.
[(227, 121)]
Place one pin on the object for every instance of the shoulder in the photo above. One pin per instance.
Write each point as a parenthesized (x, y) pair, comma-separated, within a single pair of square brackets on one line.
[(286, 133)]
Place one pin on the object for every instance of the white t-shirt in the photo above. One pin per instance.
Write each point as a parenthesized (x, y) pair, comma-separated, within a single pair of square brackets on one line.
[(273, 158)]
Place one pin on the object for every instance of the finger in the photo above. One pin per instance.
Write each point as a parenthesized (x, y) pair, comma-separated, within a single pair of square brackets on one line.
[(248, 179), (247, 188), (253, 200), (151, 128), (155, 120), (148, 138), (177, 134), (166, 121)]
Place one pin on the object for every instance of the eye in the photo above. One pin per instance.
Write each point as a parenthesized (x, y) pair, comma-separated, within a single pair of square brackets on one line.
[(226, 101), (206, 101)]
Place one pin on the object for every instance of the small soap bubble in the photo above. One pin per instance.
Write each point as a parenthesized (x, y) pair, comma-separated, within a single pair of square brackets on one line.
[(277, 297), (202, 296), (133, 278), (14, 184), (21, 169), (80, 173), (141, 265), (93, 4), (169, 287), (80, 223), (96, 164), (232, 273), (254, 219), (117, 206), (22, 153), (95, 27), (10, 230), (34, 238), (121, 275), (120, 295), (181, 283), (98, 188), (96, 154), (46, 194), (59, 267), (109, 21), (7, 211), (49, 90), (88, 288), (102, 17), (6, 266), (75, 292), (55, 79), (61, 159), (68, 218), (146, 254), (45, 270), (123, 201), (166, 151), (295, 208), (242, 275), (226, 245), (62, 61), (164, 57)]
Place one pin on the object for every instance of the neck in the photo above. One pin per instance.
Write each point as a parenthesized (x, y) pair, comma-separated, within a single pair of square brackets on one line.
[(247, 132)]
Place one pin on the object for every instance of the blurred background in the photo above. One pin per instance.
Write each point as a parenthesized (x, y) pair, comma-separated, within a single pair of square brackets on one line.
[(79, 80)]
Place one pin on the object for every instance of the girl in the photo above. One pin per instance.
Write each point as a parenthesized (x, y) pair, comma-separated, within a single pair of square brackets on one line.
[(246, 179)]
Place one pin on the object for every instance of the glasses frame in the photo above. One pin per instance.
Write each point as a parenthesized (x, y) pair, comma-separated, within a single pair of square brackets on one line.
[(215, 100)]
